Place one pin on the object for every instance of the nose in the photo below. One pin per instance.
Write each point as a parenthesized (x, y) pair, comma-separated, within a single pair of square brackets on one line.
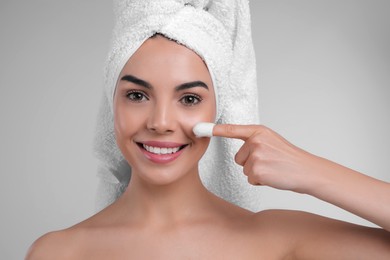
[(162, 119)]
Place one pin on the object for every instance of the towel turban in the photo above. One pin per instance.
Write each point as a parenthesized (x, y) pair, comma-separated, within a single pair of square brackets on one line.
[(219, 31)]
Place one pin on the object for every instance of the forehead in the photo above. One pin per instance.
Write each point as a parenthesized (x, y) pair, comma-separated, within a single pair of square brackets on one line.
[(159, 57)]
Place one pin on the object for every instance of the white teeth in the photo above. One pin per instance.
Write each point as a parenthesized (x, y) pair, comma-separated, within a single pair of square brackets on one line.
[(159, 150)]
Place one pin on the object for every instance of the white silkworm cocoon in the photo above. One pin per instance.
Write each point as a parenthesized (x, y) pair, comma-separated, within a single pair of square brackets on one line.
[(203, 129)]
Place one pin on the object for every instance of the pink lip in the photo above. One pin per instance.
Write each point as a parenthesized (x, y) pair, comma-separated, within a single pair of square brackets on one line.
[(162, 158)]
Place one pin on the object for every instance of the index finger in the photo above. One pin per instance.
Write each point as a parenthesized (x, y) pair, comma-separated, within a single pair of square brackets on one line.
[(242, 132)]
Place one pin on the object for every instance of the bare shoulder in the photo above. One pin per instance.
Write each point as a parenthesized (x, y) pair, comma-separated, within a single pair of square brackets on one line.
[(72, 242), (53, 245), (310, 236)]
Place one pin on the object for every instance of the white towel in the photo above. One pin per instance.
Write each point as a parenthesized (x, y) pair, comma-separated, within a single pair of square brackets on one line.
[(218, 31)]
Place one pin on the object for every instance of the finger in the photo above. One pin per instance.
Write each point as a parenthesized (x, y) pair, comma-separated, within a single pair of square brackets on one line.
[(254, 182), (242, 132), (247, 168), (250, 172), (242, 155)]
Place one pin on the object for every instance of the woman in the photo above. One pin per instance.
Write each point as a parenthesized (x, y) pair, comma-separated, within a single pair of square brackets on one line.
[(161, 92)]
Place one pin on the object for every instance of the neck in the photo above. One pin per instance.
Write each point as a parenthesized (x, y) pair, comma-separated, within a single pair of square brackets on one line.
[(183, 199)]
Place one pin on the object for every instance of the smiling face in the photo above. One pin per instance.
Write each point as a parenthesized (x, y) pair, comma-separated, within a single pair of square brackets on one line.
[(162, 92)]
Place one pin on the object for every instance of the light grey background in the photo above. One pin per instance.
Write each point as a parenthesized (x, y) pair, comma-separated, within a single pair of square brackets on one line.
[(323, 82)]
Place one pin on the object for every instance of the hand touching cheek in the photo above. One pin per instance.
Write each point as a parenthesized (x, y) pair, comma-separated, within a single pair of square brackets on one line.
[(269, 159)]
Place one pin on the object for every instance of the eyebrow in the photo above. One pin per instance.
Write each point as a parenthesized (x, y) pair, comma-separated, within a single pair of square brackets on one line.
[(136, 81), (145, 84)]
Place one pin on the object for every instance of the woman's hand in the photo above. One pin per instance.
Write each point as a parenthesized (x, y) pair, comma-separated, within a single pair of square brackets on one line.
[(268, 159)]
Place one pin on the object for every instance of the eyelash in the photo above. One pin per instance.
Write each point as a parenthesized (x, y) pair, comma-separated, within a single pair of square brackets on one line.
[(196, 97), (143, 97), (135, 92)]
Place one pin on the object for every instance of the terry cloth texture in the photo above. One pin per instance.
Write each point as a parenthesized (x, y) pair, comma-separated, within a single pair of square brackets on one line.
[(219, 32)]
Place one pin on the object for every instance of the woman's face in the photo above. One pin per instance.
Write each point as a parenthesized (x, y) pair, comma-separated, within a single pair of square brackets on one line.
[(162, 92)]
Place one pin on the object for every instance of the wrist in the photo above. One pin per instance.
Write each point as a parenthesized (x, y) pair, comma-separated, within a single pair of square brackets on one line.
[(319, 177)]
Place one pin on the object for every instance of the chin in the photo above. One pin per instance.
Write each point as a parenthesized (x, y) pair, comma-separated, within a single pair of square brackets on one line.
[(162, 176)]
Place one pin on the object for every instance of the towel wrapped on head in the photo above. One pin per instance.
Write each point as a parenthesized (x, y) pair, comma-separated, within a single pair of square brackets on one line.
[(219, 32)]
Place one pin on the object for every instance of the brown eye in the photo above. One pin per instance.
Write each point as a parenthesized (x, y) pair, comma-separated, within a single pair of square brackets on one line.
[(190, 100), (136, 96)]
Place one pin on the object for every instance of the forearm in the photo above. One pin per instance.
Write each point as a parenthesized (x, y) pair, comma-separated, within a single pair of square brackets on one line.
[(269, 159), (362, 195)]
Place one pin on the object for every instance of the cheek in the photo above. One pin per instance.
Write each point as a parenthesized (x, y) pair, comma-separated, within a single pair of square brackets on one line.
[(205, 113), (126, 122), (189, 119)]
